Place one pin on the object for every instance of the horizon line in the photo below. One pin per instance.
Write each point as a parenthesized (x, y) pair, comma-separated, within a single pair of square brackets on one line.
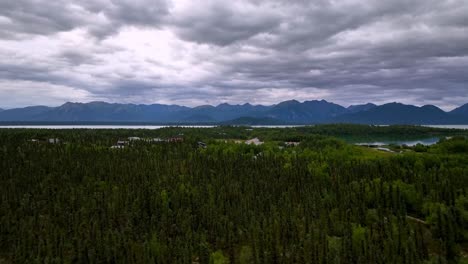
[(226, 103)]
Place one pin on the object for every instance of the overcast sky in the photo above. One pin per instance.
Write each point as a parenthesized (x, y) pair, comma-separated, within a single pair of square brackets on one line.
[(213, 51)]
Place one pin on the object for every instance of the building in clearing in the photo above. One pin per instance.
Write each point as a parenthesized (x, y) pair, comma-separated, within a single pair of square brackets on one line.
[(254, 141), (201, 144), (134, 138), (175, 139), (53, 140), (122, 143), (291, 143)]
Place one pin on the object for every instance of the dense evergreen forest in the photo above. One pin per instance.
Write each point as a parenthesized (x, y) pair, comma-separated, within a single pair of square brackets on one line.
[(77, 200)]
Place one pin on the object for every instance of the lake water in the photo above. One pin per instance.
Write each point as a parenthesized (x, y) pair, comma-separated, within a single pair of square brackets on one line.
[(159, 127), (95, 126), (126, 126), (449, 126), (411, 143)]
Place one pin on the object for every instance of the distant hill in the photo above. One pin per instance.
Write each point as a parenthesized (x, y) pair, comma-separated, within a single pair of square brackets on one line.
[(198, 118), (30, 113), (397, 113), (461, 114), (360, 108), (287, 112), (461, 111), (1, 110), (222, 112), (101, 111), (254, 121), (306, 112)]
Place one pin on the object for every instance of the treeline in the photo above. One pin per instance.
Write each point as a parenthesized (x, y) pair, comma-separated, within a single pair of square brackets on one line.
[(348, 132), (322, 202)]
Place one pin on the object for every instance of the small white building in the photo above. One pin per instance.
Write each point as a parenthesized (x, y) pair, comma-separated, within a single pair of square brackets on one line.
[(291, 143), (254, 141), (122, 143), (53, 140), (134, 138)]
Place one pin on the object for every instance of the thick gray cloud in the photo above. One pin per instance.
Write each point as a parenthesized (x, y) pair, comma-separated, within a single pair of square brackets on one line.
[(208, 52)]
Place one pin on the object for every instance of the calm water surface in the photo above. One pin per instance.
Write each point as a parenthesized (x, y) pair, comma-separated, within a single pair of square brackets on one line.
[(411, 143), (449, 126), (95, 126), (125, 126), (158, 127)]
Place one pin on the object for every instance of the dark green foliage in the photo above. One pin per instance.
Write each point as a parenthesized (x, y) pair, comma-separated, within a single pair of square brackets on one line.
[(420, 148), (453, 145), (324, 201)]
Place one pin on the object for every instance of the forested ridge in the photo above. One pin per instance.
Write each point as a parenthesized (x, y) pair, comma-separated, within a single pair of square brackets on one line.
[(324, 201)]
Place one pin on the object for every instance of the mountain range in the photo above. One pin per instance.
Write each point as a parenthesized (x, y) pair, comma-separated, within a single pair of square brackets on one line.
[(287, 112)]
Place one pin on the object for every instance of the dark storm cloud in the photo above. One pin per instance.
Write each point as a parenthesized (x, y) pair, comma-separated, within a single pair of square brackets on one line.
[(120, 13), (174, 51), (28, 73), (222, 24), (100, 17), (76, 57), (31, 17)]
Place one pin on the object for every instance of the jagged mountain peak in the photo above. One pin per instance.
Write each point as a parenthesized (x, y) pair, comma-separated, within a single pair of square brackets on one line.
[(462, 110), (291, 111)]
